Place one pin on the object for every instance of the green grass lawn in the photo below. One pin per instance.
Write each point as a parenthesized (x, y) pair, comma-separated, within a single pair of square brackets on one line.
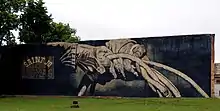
[(92, 104)]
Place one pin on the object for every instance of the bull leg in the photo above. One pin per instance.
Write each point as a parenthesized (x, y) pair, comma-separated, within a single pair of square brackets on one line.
[(84, 84), (92, 89)]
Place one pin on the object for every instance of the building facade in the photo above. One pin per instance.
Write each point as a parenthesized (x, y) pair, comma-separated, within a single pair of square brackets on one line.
[(217, 79), (174, 66)]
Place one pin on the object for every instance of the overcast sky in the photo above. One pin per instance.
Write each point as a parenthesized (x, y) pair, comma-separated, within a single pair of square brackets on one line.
[(110, 19)]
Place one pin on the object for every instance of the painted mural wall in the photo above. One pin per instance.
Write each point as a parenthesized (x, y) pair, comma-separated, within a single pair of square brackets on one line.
[(176, 66)]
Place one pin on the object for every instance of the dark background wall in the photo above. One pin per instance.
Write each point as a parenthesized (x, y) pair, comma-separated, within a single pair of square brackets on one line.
[(11, 72), (190, 54)]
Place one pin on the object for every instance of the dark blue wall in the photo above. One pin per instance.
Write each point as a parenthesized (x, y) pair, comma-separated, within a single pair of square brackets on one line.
[(190, 54)]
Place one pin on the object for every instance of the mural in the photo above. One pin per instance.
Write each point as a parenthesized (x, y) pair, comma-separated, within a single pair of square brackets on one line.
[(176, 66), (117, 58)]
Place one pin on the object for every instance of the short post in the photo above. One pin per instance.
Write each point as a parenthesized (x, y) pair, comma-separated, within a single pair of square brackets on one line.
[(219, 93), (75, 104)]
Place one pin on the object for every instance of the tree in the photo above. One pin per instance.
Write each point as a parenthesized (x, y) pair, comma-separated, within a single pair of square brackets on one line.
[(37, 26), (9, 19), (62, 33), (35, 23)]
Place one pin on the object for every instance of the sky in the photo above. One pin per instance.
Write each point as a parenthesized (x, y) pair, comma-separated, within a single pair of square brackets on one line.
[(112, 19)]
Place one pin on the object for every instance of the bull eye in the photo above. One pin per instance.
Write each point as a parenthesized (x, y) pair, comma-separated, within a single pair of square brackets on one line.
[(101, 69)]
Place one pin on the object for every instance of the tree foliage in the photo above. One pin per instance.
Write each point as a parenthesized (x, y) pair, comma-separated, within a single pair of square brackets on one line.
[(9, 19), (34, 23), (37, 26), (62, 33)]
